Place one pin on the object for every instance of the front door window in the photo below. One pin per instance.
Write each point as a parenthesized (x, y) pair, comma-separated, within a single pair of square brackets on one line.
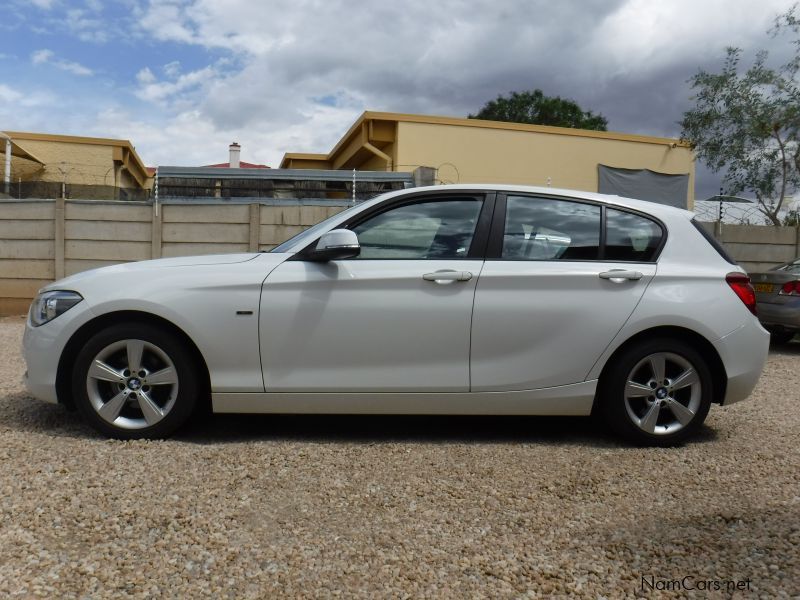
[(440, 230)]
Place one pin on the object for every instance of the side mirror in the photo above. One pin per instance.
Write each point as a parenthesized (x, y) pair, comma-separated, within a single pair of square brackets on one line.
[(336, 245)]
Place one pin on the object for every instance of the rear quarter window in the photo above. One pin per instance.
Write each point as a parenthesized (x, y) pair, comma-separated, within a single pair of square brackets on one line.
[(714, 243), (631, 237)]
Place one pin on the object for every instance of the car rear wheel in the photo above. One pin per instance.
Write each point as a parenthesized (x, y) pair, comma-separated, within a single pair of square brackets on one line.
[(657, 392), (134, 381)]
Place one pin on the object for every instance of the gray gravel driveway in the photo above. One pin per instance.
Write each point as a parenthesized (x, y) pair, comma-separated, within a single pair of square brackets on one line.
[(400, 507)]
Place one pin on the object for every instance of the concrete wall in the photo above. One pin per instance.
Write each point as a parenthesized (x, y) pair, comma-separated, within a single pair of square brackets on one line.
[(483, 155), (27, 252), (758, 247), (41, 241)]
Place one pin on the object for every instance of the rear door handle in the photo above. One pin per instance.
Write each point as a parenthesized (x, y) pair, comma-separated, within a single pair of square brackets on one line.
[(620, 275), (447, 276)]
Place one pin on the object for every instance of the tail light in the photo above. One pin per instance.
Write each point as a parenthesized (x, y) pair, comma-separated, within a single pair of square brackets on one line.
[(791, 288), (740, 284)]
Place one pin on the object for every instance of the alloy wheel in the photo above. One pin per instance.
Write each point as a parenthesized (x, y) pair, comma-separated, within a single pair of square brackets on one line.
[(663, 393), (132, 384)]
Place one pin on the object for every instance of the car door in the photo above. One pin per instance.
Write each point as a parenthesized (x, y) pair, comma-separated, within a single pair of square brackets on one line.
[(395, 319), (560, 280)]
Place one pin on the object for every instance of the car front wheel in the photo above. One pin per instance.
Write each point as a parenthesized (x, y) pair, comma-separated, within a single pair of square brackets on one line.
[(134, 381), (657, 392)]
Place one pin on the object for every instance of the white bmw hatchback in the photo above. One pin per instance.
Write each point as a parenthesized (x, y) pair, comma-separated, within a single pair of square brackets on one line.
[(447, 300)]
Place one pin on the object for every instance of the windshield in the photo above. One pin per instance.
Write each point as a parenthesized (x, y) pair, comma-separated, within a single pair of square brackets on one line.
[(306, 236)]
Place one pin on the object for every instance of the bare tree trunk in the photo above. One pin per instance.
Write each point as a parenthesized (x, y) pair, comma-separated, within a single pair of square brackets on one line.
[(773, 215)]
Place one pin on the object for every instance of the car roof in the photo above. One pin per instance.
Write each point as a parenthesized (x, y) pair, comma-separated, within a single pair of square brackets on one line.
[(646, 206)]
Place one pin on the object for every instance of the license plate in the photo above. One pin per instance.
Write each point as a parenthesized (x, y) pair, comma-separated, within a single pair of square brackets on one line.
[(767, 288)]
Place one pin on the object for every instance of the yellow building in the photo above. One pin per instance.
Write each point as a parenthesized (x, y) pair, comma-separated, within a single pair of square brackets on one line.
[(87, 167), (476, 151)]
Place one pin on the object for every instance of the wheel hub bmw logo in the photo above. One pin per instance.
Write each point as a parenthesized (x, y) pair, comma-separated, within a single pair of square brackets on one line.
[(661, 393), (134, 384)]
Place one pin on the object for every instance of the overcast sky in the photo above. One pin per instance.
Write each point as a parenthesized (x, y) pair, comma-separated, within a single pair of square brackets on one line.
[(182, 79)]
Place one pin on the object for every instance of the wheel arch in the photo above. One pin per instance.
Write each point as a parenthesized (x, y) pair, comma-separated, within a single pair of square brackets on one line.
[(87, 330), (694, 339)]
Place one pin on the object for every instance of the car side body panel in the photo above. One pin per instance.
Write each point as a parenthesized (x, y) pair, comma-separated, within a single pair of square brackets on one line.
[(358, 325), (690, 292), (216, 306), (540, 324), (567, 400)]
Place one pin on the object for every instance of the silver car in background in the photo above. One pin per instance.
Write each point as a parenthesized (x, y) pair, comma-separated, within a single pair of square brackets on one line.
[(778, 298), (470, 299)]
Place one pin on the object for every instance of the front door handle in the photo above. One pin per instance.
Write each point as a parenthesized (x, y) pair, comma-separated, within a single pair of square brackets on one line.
[(620, 275), (447, 276)]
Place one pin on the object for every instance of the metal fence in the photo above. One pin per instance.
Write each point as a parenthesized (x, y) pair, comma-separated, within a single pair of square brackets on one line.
[(24, 190), (224, 183), (210, 183), (187, 187)]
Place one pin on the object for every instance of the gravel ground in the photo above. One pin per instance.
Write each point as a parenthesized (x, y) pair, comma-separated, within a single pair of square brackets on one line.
[(403, 507)]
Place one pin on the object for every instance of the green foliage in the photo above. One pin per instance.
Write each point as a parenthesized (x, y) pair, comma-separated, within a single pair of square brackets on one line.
[(792, 218), (535, 108), (747, 124)]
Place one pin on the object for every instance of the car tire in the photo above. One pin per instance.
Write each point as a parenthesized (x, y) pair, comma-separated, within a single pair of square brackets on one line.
[(135, 381), (656, 392), (778, 338)]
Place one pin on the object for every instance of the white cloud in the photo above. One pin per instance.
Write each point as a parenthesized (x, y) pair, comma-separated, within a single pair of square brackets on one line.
[(35, 102), (172, 69), (44, 4), (643, 35), (45, 56), (145, 76), (8, 94), (167, 21), (87, 25), (154, 90), (41, 56), (190, 138)]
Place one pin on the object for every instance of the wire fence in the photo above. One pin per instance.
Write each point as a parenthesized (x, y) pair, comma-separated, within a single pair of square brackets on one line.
[(734, 213), (53, 189), (185, 187), (204, 188)]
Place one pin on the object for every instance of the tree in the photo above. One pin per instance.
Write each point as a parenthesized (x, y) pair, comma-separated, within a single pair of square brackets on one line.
[(748, 124), (536, 108)]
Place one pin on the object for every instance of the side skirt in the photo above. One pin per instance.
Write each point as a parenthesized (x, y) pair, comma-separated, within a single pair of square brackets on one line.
[(565, 400)]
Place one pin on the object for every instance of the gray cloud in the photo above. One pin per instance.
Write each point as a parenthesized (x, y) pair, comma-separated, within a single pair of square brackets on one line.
[(292, 75)]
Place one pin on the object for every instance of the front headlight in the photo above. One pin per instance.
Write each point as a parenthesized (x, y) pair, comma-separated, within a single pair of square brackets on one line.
[(48, 305)]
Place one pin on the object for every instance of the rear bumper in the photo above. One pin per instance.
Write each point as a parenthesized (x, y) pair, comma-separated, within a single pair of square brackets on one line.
[(786, 315), (743, 353)]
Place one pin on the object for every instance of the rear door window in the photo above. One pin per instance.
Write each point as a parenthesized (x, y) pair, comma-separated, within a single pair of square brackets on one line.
[(550, 229)]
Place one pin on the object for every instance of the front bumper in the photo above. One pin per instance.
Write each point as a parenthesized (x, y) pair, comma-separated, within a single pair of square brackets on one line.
[(43, 346), (743, 353)]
